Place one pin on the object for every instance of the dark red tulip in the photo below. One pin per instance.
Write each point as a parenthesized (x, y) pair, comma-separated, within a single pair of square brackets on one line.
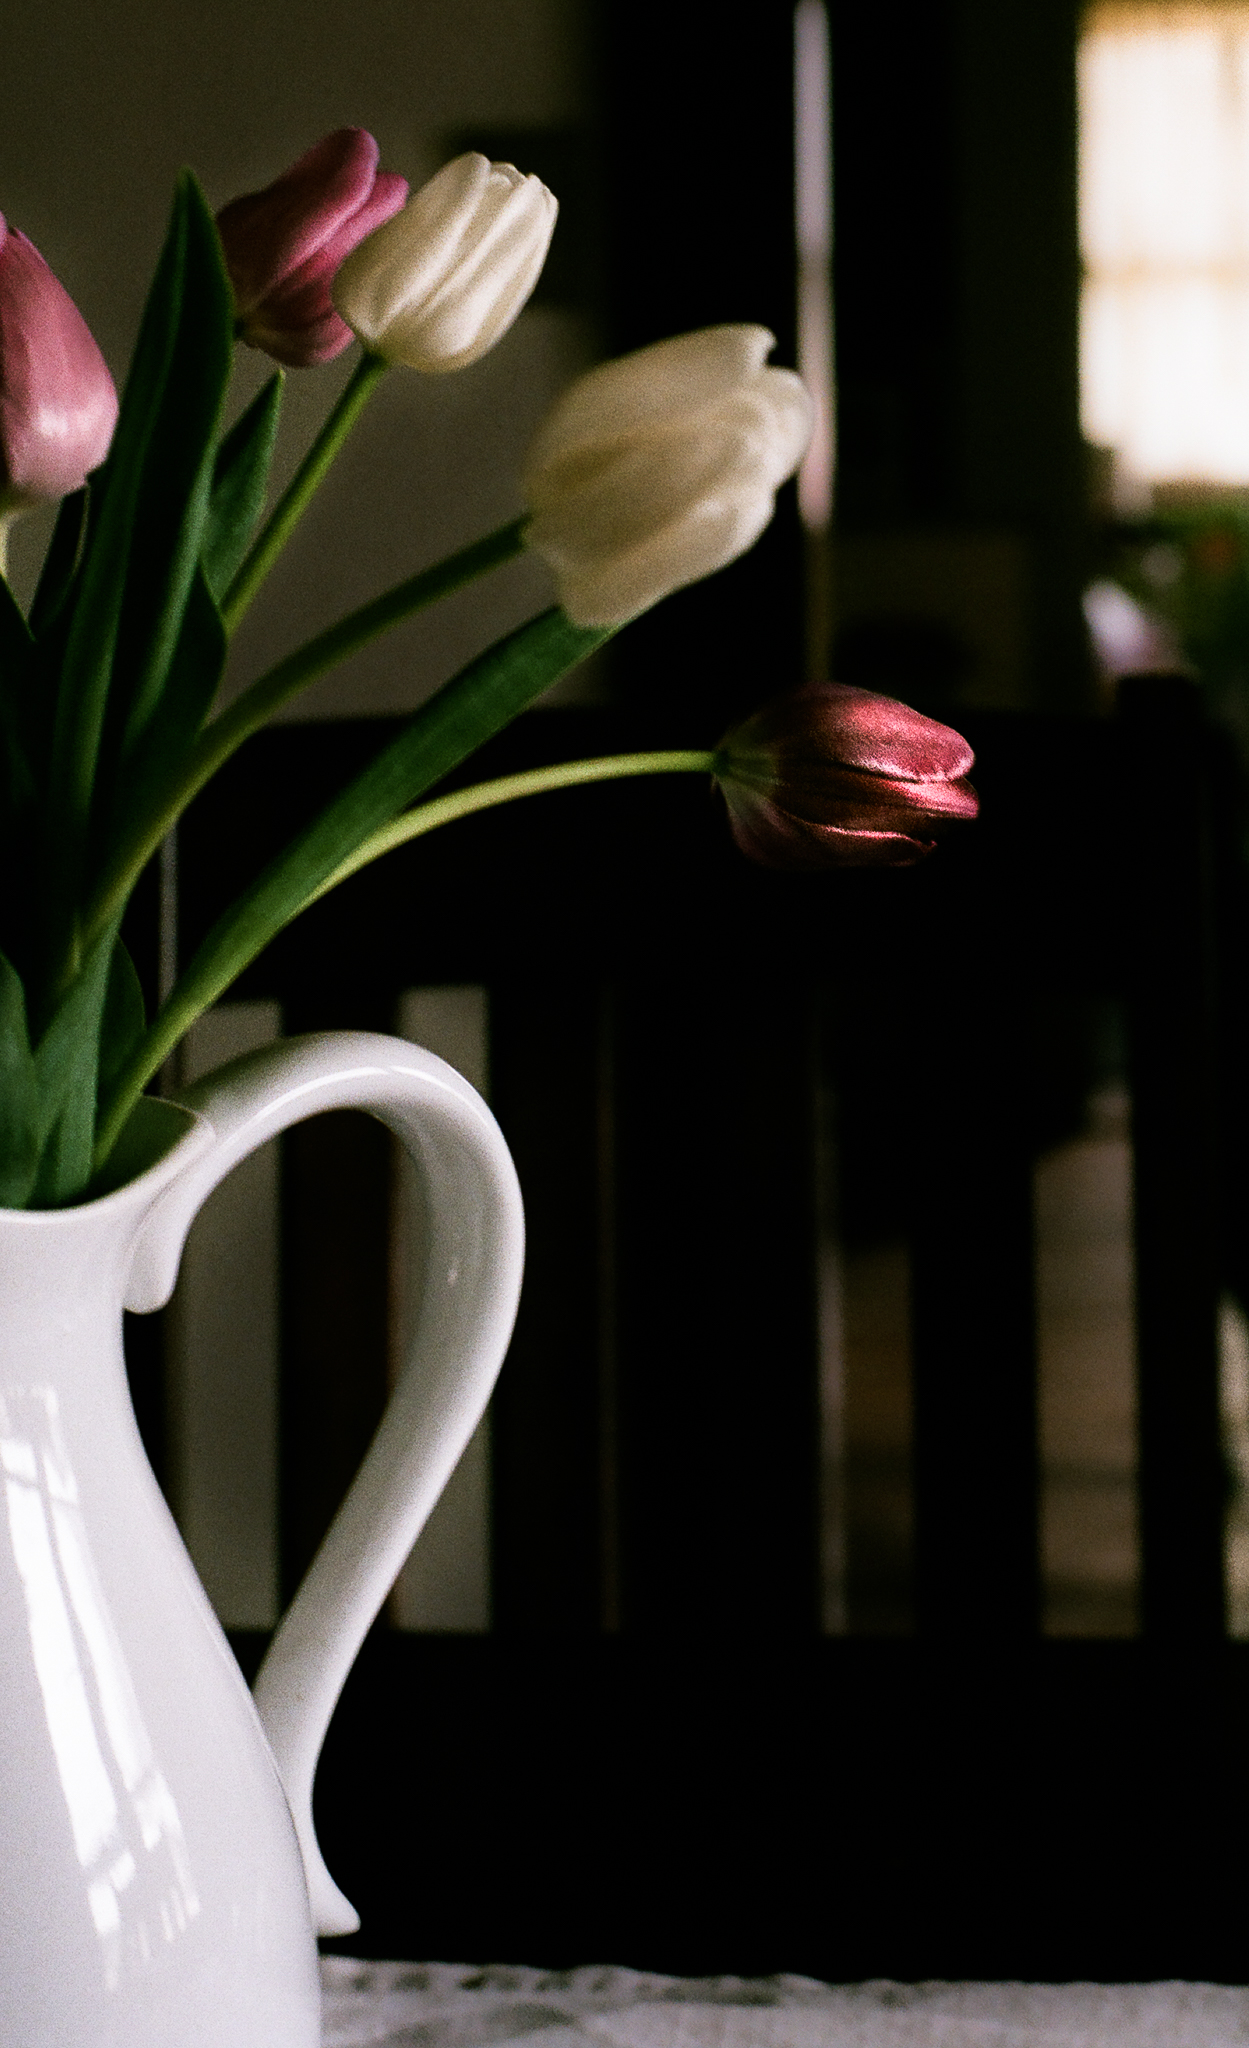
[(283, 246), (835, 777)]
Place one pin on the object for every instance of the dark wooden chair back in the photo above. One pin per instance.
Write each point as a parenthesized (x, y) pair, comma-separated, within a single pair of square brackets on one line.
[(655, 1756)]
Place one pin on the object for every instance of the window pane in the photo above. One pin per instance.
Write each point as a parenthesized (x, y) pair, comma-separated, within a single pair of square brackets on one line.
[(1164, 222)]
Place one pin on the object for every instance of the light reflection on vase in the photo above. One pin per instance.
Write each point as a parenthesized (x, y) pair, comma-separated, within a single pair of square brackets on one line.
[(153, 1893), (140, 1890)]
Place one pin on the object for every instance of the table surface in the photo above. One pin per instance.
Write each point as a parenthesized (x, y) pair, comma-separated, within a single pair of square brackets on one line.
[(446, 2005)]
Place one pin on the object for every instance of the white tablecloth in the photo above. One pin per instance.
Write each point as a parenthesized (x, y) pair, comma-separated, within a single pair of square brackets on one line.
[(445, 2005)]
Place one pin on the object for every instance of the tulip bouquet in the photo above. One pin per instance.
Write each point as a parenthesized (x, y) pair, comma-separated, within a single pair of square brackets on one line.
[(649, 472)]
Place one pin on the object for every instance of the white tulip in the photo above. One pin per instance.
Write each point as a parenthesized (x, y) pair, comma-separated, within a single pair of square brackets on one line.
[(661, 467), (439, 283)]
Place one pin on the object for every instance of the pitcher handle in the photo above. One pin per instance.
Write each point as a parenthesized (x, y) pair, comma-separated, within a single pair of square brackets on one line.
[(468, 1305)]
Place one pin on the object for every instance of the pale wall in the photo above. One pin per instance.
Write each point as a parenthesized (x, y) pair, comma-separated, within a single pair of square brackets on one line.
[(99, 107)]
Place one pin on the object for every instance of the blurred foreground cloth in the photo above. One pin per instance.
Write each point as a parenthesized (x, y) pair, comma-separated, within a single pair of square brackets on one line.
[(427, 2005)]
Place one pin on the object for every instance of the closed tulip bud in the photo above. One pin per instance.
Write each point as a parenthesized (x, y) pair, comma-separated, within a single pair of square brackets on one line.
[(661, 467), (441, 282), (58, 406), (835, 777), (284, 245)]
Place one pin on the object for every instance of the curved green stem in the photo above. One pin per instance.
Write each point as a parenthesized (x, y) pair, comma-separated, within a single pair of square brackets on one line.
[(461, 803), (250, 711), (290, 506), (478, 702), (196, 994)]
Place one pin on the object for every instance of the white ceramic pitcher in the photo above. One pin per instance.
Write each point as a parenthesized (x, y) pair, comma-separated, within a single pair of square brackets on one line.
[(157, 1856)]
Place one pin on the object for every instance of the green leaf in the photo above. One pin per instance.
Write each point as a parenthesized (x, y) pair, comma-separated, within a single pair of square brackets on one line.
[(177, 475), (66, 1077), (18, 670), (49, 621), (124, 1019), (95, 616), (59, 563), (478, 702), (190, 687), (18, 687), (240, 481), (17, 646), (474, 704), (144, 533), (19, 1134)]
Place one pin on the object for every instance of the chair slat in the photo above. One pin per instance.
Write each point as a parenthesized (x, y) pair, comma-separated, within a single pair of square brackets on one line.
[(1172, 994)]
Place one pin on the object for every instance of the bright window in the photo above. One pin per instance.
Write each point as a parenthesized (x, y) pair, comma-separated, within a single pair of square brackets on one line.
[(1164, 220)]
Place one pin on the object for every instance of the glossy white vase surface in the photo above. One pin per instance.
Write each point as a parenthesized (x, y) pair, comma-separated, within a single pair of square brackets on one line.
[(157, 1858)]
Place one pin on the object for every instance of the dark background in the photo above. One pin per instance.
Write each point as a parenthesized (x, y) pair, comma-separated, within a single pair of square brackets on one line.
[(655, 1759)]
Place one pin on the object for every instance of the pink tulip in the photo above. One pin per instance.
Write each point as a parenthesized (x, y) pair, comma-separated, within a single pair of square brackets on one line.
[(58, 406), (835, 777), (284, 245)]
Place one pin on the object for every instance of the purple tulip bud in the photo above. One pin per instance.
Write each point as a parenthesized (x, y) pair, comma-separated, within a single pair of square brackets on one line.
[(835, 777), (283, 245), (58, 406)]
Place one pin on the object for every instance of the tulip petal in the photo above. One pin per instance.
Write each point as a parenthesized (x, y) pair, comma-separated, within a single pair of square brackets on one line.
[(491, 282), (614, 496), (297, 323), (663, 385), (613, 588), (58, 405), (284, 245), (390, 192), (301, 329), (442, 281), (861, 729), (774, 839), (795, 800), (409, 256), (269, 234), (638, 487)]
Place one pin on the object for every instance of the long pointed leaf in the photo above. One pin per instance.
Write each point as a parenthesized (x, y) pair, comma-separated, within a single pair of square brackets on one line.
[(18, 686), (67, 1078), (143, 545), (19, 1134), (18, 667), (240, 481), (124, 1018), (474, 704), (478, 702), (93, 622), (17, 646), (177, 476), (190, 687)]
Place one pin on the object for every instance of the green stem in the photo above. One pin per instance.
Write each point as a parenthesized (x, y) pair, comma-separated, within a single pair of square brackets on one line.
[(191, 1001), (250, 711), (291, 505), (461, 803)]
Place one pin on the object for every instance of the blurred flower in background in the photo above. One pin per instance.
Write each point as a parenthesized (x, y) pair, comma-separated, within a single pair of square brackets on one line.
[(1128, 638), (1174, 597)]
